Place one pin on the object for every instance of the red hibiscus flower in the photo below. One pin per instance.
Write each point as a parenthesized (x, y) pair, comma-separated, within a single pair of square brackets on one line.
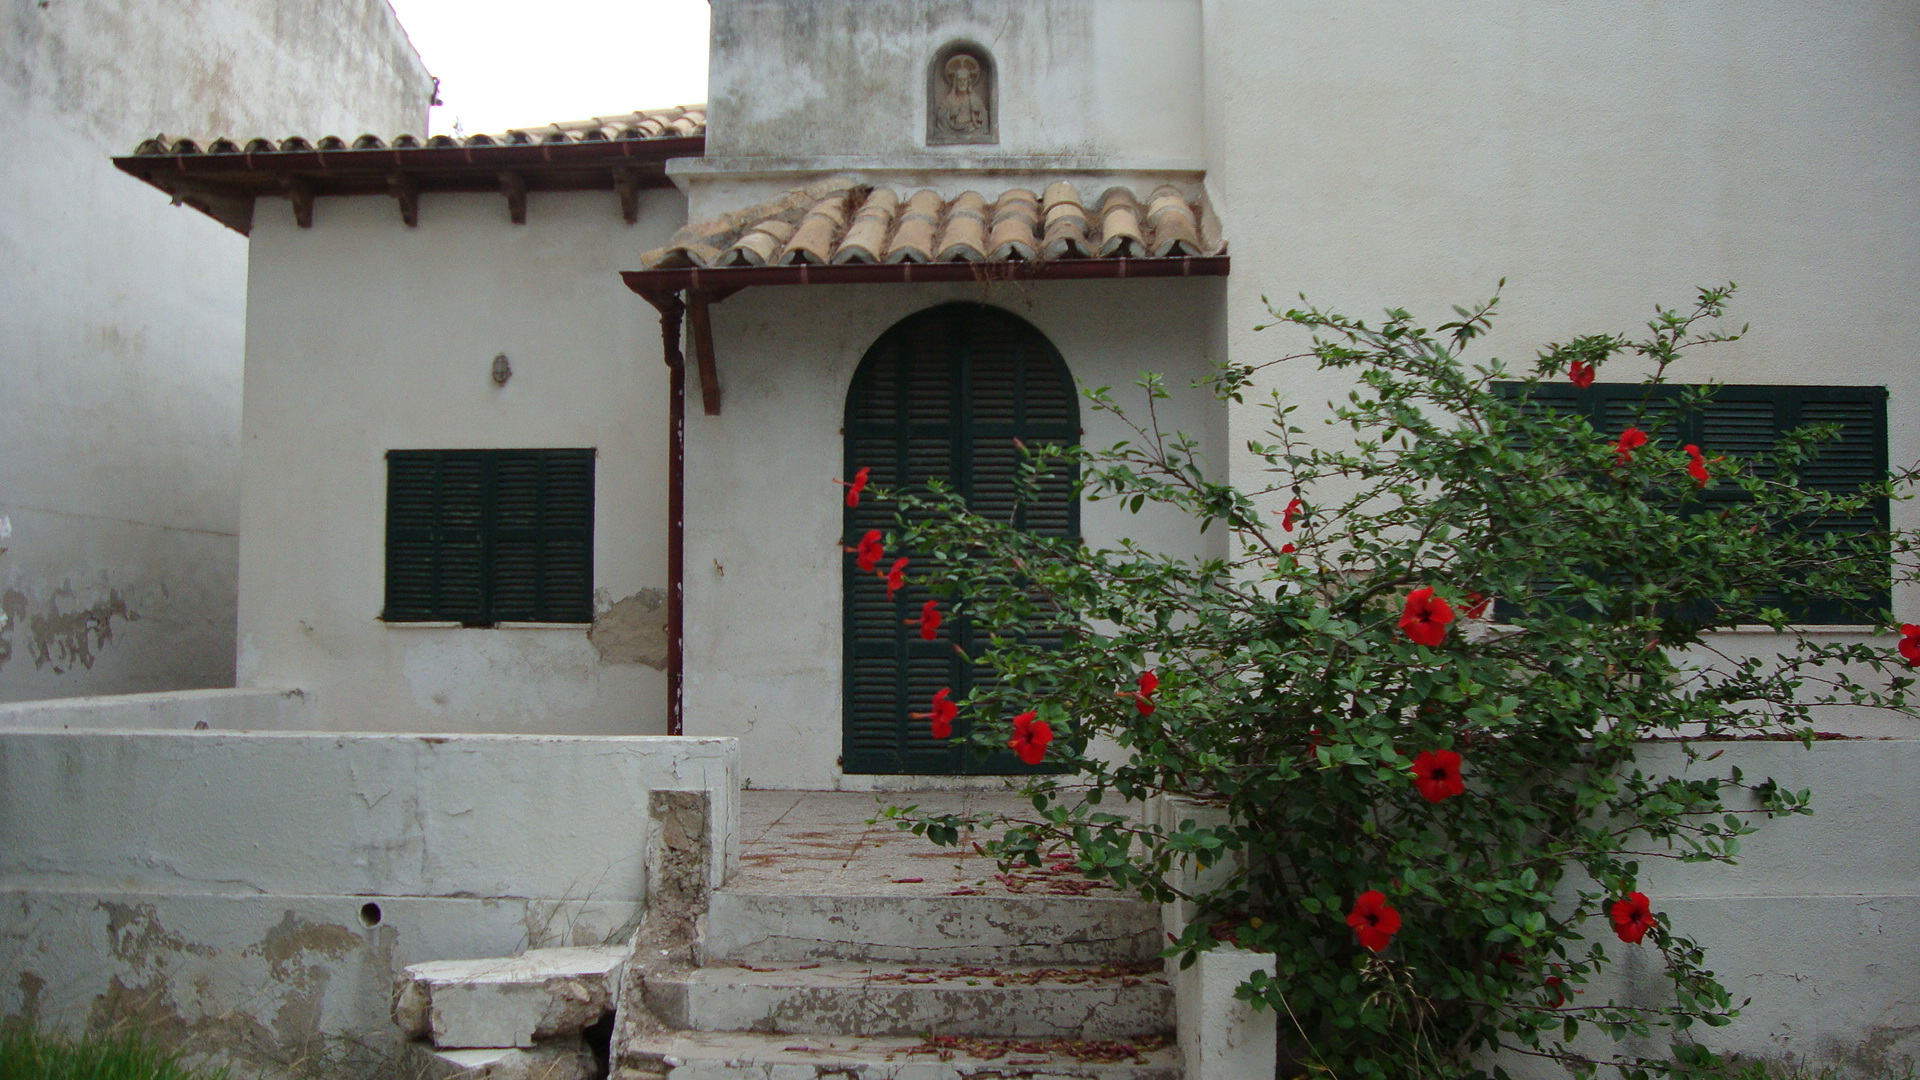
[(1373, 920), (1910, 644), (896, 577), (1630, 440), (1030, 738), (1290, 515), (1426, 617), (1580, 373), (929, 620), (859, 485), (942, 715), (868, 554), (1477, 609), (1697, 465), (1143, 697), (1287, 549), (1437, 774), (1632, 917)]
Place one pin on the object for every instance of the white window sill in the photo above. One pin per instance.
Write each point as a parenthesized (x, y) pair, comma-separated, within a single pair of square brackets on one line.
[(451, 625)]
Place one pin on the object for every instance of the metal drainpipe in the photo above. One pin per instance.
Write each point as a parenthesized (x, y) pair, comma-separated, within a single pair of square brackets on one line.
[(671, 313)]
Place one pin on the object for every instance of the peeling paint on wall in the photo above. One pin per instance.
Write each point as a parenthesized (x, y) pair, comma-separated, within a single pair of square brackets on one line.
[(60, 639), (633, 630)]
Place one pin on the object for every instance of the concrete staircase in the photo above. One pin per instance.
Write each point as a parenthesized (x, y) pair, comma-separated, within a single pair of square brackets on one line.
[(910, 986)]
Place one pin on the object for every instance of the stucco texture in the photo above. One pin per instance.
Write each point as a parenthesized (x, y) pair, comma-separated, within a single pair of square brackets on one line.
[(120, 334), (764, 517), (366, 336)]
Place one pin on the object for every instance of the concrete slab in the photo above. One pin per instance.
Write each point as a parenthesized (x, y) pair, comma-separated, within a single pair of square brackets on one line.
[(739, 1056), (890, 1000), (512, 1001)]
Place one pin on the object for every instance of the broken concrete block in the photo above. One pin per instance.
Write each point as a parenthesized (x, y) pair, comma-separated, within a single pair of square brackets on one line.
[(511, 1001), (569, 1062)]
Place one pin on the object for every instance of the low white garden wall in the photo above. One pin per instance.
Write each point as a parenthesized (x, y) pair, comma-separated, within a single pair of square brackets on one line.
[(257, 892)]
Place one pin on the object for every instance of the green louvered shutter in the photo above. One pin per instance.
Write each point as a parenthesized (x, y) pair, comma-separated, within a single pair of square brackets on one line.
[(487, 536), (1744, 421), (942, 395)]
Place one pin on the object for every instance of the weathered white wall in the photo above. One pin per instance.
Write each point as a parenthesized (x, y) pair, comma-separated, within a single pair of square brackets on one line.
[(365, 336), (121, 317), (764, 515), (1603, 157), (215, 884), (1100, 81), (1815, 922), (175, 710)]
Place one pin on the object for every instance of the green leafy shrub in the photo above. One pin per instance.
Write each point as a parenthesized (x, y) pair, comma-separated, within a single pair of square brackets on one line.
[(1426, 807)]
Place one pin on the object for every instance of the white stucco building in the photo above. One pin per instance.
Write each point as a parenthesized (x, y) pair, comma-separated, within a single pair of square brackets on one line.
[(482, 492), (121, 326)]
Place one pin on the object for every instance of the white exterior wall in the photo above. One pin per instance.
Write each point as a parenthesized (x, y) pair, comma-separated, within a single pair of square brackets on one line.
[(266, 921), (121, 317), (365, 336), (764, 630), (838, 83), (1603, 157)]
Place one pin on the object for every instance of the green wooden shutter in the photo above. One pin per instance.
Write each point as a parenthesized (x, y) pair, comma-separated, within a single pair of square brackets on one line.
[(942, 395), (487, 536), (1745, 421)]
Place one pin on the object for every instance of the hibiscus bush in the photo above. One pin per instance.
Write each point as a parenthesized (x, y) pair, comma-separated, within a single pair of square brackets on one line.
[(1398, 715)]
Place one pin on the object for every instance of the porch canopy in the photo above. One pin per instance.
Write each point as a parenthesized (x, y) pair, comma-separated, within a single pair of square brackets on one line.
[(843, 232)]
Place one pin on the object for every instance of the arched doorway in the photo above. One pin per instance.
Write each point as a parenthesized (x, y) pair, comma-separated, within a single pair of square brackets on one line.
[(942, 394)]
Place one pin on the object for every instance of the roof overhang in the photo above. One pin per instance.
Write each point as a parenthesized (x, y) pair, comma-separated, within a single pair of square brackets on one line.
[(224, 185), (705, 286)]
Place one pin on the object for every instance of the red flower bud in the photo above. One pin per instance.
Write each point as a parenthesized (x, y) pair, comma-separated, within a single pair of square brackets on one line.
[(870, 551), (1697, 465), (859, 485)]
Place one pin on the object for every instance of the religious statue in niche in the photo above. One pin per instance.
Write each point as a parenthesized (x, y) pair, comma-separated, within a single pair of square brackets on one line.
[(960, 97)]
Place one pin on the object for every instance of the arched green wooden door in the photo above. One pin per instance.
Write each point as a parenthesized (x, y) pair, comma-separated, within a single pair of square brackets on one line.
[(943, 394)]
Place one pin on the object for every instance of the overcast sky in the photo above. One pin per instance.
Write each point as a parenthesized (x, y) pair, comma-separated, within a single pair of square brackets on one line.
[(515, 63)]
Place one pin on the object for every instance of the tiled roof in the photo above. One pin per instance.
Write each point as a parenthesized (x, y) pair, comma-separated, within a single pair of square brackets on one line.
[(683, 121), (842, 223)]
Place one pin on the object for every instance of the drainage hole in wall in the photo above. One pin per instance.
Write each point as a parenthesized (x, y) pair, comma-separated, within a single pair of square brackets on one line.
[(370, 914)]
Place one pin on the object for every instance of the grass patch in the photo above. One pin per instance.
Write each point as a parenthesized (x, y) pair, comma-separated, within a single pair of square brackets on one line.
[(27, 1054)]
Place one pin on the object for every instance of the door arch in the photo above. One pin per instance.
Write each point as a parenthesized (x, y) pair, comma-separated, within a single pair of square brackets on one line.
[(942, 394)]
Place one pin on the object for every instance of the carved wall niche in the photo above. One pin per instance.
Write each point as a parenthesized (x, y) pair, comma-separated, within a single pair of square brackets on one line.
[(962, 96)]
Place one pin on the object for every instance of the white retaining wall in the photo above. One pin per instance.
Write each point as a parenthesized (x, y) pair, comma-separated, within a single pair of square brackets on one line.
[(257, 892)]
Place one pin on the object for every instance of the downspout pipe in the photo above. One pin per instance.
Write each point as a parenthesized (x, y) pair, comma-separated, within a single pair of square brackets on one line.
[(672, 312)]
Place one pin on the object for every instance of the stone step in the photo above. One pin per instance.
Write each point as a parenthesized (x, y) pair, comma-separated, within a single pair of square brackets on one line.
[(737, 1056), (835, 998), (763, 928), (509, 1001)]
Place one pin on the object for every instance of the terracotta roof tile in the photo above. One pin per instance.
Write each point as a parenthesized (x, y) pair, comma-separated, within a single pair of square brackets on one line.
[(656, 124), (841, 222)]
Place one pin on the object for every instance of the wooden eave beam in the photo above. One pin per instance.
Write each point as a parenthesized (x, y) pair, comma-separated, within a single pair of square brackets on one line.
[(405, 190), (702, 327), (514, 186)]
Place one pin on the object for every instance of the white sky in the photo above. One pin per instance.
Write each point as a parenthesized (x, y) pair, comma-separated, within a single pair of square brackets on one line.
[(514, 63)]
